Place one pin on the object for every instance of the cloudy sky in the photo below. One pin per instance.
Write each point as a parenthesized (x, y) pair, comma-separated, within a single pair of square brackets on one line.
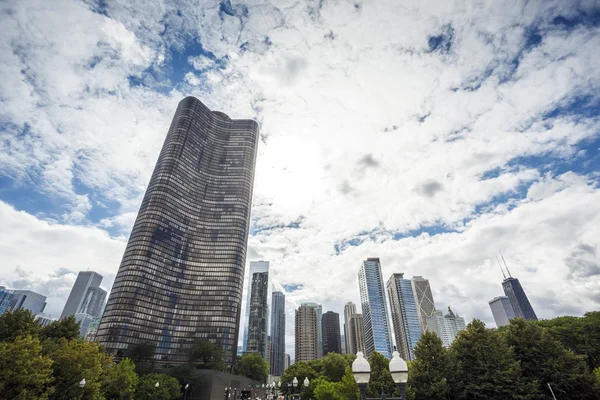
[(430, 134)]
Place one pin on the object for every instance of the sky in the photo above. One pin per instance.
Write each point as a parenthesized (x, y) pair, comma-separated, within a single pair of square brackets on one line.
[(430, 134)]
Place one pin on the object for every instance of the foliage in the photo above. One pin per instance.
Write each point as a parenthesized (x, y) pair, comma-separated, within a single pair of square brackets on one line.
[(347, 387), (168, 388), (381, 378), (427, 374), (484, 367), (17, 323), (334, 366), (142, 354), (24, 372), (300, 370), (581, 335), (206, 355), (597, 374), (545, 360), (252, 366), (67, 328), (120, 380), (325, 390), (75, 360)]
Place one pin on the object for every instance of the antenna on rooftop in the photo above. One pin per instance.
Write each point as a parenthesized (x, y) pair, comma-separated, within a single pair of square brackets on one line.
[(507, 270), (501, 269)]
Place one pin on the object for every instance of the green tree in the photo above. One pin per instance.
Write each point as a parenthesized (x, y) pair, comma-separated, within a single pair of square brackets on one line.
[(142, 354), (326, 390), (168, 388), (67, 328), (75, 360), (17, 323), (429, 371), (252, 366), (483, 366), (120, 380), (381, 378), (347, 387), (205, 354), (334, 366), (300, 370), (24, 373), (545, 360)]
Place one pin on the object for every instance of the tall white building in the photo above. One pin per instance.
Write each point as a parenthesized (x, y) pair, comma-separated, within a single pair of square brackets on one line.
[(424, 299), (349, 310), (256, 267), (80, 293), (502, 310), (445, 326)]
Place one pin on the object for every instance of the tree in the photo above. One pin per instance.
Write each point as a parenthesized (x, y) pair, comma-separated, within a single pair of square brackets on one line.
[(24, 372), (299, 370), (334, 366), (381, 378), (205, 354), (325, 390), (67, 328), (252, 366), (168, 388), (483, 366), (429, 371), (142, 354), (545, 360), (17, 323), (75, 360), (347, 387), (120, 380)]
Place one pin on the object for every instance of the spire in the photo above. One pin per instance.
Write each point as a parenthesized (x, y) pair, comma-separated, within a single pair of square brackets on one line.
[(507, 270), (500, 265), (450, 311)]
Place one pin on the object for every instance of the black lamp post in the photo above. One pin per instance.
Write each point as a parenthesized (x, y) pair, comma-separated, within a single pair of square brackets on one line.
[(362, 373)]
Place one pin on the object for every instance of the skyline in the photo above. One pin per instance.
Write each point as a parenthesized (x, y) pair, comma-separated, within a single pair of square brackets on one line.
[(429, 136)]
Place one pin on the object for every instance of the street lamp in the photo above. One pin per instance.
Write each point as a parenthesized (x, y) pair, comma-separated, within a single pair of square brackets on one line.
[(187, 385), (362, 372), (82, 383), (156, 384), (295, 384), (399, 371)]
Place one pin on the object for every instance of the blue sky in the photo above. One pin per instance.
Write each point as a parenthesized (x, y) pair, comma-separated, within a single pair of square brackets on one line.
[(430, 134)]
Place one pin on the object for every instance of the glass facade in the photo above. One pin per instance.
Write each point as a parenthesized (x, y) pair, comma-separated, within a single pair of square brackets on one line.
[(424, 299), (255, 266), (518, 299), (374, 308), (257, 323), (502, 310), (277, 333), (85, 280), (331, 333), (181, 277), (405, 315)]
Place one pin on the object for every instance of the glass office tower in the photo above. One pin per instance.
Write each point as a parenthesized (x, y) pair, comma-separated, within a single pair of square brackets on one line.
[(374, 308), (277, 333), (405, 315), (181, 277)]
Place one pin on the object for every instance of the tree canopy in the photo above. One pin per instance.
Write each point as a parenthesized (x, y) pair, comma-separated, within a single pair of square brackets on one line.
[(205, 354), (67, 328), (428, 373), (252, 366)]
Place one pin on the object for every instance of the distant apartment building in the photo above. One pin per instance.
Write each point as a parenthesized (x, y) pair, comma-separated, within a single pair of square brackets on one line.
[(502, 310), (259, 286), (374, 308), (349, 310), (405, 315), (446, 327), (357, 333), (319, 309), (44, 319), (277, 361), (424, 299), (331, 333), (25, 300), (306, 333)]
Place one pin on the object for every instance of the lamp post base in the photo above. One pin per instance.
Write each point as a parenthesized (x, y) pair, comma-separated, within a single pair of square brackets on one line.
[(363, 391)]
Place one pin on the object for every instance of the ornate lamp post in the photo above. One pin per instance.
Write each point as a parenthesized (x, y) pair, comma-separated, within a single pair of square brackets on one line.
[(399, 371), (362, 373), (295, 384)]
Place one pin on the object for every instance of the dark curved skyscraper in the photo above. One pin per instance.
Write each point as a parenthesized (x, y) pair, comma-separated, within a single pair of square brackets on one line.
[(182, 273)]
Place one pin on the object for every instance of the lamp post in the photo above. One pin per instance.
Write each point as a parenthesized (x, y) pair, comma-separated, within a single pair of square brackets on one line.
[(156, 385), (187, 385), (306, 383), (295, 384), (362, 373)]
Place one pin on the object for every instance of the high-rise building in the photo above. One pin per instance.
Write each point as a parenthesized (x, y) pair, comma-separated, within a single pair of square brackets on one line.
[(287, 362), (374, 308), (277, 333), (446, 327), (6, 296), (424, 299), (502, 310), (92, 330), (319, 309), (258, 313), (256, 267), (79, 292), (307, 341), (331, 333), (343, 344), (182, 274), (44, 319), (357, 333), (518, 299), (27, 300), (349, 310), (405, 315), (93, 302)]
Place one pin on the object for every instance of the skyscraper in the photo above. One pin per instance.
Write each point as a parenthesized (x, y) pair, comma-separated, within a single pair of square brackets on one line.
[(79, 292), (446, 327), (518, 299), (256, 267), (502, 310), (277, 333), (424, 299), (259, 314), (405, 315), (6, 296), (93, 302), (343, 344), (306, 333), (27, 300), (287, 362), (44, 319), (319, 309), (357, 332), (182, 274), (374, 308), (331, 333), (349, 310)]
